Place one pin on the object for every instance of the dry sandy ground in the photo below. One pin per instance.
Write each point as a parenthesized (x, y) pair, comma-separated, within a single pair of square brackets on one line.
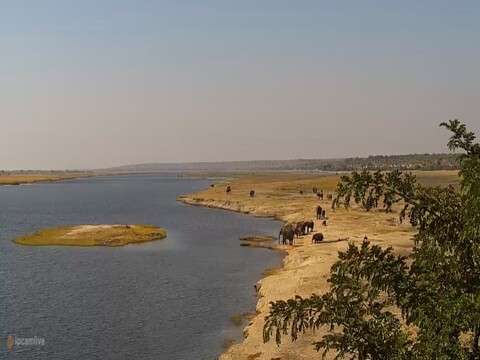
[(306, 266), (89, 228)]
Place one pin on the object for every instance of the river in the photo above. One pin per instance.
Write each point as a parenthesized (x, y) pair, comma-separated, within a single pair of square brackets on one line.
[(167, 299)]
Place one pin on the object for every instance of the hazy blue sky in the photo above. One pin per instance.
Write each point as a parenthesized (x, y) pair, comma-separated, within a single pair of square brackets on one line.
[(98, 83)]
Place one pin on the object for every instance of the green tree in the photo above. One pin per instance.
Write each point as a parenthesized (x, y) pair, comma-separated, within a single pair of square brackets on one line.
[(367, 188), (436, 292)]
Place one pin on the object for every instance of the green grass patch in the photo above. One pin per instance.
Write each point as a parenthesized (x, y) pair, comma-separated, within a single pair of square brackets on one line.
[(227, 343), (237, 319), (258, 238), (438, 178), (271, 271)]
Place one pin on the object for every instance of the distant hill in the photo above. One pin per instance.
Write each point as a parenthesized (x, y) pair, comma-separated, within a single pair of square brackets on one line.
[(257, 165), (377, 162)]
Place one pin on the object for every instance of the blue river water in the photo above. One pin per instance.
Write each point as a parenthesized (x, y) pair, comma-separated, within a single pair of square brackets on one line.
[(167, 299)]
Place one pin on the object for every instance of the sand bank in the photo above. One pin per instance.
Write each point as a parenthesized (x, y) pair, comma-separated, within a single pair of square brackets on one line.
[(306, 266)]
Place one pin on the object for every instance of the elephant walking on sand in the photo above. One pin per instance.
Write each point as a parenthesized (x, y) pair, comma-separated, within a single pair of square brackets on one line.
[(317, 238)]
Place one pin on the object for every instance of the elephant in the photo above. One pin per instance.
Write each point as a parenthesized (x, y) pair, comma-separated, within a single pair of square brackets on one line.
[(319, 212), (286, 233), (317, 238), (229, 189), (309, 225), (330, 197), (252, 193), (300, 228)]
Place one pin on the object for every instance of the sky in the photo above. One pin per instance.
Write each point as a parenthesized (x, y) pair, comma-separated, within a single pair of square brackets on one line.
[(95, 83)]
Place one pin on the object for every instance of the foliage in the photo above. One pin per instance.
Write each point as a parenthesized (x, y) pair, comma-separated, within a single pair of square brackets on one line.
[(382, 306), (368, 188), (401, 162)]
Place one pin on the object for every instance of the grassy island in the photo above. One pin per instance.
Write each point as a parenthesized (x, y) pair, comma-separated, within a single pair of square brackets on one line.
[(32, 178), (93, 235)]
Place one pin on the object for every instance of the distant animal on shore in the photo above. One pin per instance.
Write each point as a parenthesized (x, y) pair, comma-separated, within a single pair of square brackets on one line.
[(317, 238), (314, 189), (252, 193), (320, 195), (324, 223), (301, 192), (212, 185), (286, 233), (229, 189), (319, 212), (330, 197)]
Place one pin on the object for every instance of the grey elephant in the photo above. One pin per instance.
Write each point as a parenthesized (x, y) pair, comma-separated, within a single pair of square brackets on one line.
[(317, 238), (286, 233), (309, 224)]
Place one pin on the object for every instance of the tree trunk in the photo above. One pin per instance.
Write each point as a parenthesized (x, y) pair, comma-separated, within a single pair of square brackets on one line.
[(476, 338)]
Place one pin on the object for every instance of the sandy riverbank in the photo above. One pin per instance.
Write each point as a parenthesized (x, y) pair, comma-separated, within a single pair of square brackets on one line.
[(306, 266)]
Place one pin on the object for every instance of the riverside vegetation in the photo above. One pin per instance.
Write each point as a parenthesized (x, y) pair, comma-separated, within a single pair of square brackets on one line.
[(381, 305), (306, 267)]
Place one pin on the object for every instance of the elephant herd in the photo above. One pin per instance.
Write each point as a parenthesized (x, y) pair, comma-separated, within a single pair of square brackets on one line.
[(315, 191), (289, 231)]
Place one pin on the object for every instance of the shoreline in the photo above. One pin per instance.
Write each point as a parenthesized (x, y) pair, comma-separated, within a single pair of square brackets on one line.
[(284, 249), (228, 206), (305, 267)]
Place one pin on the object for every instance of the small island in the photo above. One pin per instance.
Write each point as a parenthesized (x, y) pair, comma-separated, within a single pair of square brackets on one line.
[(93, 235)]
